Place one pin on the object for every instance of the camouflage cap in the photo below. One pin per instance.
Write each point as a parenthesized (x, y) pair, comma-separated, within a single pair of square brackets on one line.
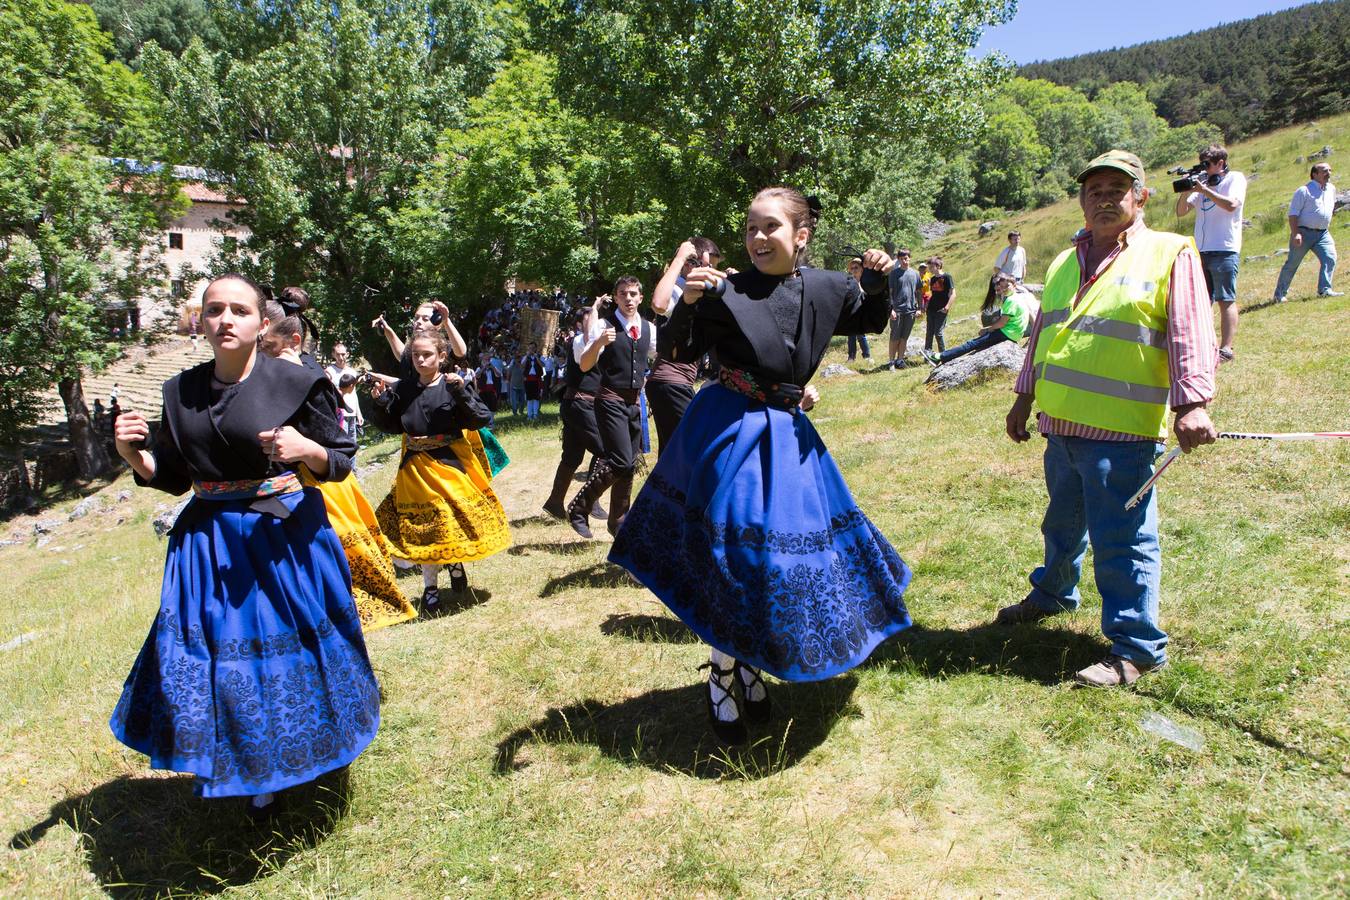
[(1120, 160)]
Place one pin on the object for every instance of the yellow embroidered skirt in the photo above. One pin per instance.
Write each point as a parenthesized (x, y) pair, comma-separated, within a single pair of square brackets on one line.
[(379, 601), (437, 514)]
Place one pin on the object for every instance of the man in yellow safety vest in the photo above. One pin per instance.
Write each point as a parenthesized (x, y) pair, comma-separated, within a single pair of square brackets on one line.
[(1124, 333)]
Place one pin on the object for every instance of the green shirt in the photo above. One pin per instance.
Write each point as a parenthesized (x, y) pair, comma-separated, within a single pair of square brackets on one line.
[(1019, 306)]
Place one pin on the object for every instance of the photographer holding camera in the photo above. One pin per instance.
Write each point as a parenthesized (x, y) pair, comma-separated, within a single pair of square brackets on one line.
[(1217, 194)]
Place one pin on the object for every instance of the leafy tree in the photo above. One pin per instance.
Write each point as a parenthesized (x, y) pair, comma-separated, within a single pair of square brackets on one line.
[(169, 23), (74, 235), (324, 115), (527, 188), (1008, 159), (766, 88)]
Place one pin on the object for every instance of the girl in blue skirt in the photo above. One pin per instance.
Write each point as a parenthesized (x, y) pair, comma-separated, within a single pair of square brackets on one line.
[(745, 527), (254, 677)]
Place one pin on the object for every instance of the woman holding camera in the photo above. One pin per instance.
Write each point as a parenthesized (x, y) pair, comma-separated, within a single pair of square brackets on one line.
[(254, 676), (745, 527)]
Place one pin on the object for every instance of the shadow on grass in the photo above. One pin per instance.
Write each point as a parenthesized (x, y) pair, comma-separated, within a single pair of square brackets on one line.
[(648, 629), (452, 603), (566, 548), (50, 495), (667, 730), (152, 837), (598, 575), (1044, 655), (537, 519)]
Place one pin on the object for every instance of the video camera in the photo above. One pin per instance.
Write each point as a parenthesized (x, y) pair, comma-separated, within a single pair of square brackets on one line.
[(1193, 176)]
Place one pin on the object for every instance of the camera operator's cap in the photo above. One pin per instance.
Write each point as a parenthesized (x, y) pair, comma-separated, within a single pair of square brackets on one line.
[(1120, 160)]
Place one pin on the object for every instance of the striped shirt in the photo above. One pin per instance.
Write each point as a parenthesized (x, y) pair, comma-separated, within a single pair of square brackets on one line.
[(1192, 349)]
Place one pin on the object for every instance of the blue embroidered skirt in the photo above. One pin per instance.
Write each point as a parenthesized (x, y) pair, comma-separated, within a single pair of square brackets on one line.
[(747, 531), (254, 676)]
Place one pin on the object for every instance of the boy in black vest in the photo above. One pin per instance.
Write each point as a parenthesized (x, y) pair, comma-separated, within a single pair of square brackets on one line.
[(620, 352), (579, 431)]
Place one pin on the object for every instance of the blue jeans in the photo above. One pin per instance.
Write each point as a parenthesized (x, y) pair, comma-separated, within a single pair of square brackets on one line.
[(974, 345), (1319, 241), (518, 399), (853, 341), (1221, 270), (1089, 482)]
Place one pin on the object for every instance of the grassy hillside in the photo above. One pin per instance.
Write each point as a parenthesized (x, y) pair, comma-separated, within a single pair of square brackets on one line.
[(1268, 161), (547, 738)]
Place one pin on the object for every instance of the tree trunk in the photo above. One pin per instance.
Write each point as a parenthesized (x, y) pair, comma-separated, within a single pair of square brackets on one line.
[(23, 498), (91, 456)]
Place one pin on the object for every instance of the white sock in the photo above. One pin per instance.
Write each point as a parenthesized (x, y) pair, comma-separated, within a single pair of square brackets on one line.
[(258, 801), (430, 573), (753, 687), (720, 687)]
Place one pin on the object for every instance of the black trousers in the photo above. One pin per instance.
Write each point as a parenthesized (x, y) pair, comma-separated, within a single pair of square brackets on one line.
[(620, 427), (580, 435), (668, 400)]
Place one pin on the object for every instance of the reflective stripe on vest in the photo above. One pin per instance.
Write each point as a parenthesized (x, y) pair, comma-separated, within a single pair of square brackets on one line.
[(1103, 363)]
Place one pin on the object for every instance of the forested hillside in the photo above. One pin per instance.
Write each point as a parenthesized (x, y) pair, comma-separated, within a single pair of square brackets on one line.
[(1244, 77)]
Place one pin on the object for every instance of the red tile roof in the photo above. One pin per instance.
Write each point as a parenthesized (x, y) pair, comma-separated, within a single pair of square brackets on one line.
[(199, 192)]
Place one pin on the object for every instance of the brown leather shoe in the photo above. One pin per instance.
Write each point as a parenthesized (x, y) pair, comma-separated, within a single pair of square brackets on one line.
[(1113, 671), (1023, 613)]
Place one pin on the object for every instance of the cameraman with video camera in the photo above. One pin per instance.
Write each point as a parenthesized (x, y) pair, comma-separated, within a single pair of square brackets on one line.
[(1216, 193)]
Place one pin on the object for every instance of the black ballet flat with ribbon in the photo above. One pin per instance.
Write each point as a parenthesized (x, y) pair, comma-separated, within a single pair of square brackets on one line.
[(732, 733), (756, 712)]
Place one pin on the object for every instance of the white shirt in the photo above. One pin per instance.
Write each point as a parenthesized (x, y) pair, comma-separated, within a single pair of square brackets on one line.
[(1314, 204), (1216, 229), (1013, 261)]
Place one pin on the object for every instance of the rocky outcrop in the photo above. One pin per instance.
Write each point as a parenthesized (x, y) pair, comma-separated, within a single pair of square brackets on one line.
[(1006, 357)]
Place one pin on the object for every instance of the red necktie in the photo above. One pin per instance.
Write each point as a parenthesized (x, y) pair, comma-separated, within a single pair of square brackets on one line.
[(633, 332)]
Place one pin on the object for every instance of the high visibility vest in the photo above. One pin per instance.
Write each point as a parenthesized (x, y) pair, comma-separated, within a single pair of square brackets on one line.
[(1103, 363)]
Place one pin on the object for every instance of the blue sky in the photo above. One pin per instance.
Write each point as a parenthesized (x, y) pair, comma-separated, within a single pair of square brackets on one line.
[(1049, 29)]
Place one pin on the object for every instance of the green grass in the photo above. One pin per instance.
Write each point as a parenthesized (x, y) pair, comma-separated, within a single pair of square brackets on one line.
[(548, 738)]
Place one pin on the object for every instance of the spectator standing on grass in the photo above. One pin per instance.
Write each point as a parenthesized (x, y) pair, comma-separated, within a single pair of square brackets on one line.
[(906, 291), (1013, 258), (533, 369), (1310, 229), (1217, 200), (925, 286), (515, 375), (338, 371), (1124, 333), (489, 381), (855, 268), (942, 292)]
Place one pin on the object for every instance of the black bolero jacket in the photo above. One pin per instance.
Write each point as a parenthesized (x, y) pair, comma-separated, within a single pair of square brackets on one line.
[(420, 410), (741, 328), (202, 440)]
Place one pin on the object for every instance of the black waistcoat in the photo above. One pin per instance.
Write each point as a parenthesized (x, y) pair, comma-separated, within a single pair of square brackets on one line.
[(623, 364), (579, 381)]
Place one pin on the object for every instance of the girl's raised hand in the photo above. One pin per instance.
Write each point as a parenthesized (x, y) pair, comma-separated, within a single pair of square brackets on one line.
[(130, 431), (698, 280), (878, 260)]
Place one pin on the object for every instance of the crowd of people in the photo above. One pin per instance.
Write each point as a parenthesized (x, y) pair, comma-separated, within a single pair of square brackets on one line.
[(255, 675)]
